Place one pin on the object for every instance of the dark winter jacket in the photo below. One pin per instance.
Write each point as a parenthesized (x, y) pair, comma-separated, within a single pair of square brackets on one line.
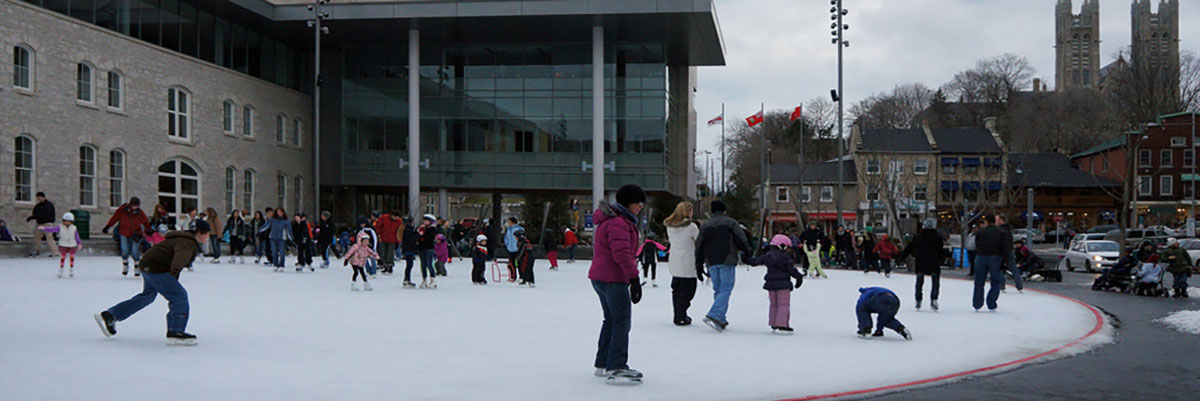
[(868, 248), (549, 243), (479, 255), (167, 220), (256, 227), (171, 255), (1177, 259), (811, 236), (129, 222), (649, 251), (871, 292), (844, 240), (409, 243), (428, 235), (992, 241), (43, 213), (927, 249), (720, 240), (238, 229), (325, 231), (300, 232), (780, 270)]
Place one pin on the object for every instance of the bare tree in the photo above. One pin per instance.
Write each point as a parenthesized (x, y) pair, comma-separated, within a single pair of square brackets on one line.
[(1141, 92), (992, 80), (893, 110), (1064, 122), (821, 114)]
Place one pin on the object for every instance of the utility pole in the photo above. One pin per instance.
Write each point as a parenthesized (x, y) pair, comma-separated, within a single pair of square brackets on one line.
[(318, 15), (1191, 220), (838, 27)]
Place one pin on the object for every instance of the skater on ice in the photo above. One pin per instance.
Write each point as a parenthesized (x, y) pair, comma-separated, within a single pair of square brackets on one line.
[(357, 257), (778, 281), (814, 261), (364, 227), (884, 303), (441, 253), (132, 224), (550, 245), (614, 277), (510, 245), (237, 232), (886, 250), (682, 233), (325, 232), (68, 241), (160, 268), (427, 234), (479, 259), (279, 231), (43, 217), (648, 254), (927, 250), (523, 260), (993, 251), (720, 240)]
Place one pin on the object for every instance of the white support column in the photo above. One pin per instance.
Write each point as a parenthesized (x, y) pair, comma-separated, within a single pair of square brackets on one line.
[(443, 210), (597, 114), (414, 123)]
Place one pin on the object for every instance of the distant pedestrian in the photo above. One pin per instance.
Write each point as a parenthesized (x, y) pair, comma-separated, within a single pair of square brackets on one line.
[(132, 226), (1180, 266), (570, 240)]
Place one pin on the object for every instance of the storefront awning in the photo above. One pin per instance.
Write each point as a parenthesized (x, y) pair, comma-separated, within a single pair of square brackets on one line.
[(994, 186), (949, 185), (971, 186), (970, 162), (949, 161)]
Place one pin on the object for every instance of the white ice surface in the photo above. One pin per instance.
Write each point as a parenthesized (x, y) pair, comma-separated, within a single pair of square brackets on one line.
[(1185, 321), (306, 336)]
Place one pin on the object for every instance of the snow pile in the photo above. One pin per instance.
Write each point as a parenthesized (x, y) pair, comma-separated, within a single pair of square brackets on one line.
[(1185, 321), (307, 337)]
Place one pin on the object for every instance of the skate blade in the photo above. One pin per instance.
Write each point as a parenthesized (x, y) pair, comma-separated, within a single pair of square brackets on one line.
[(781, 333), (622, 381), (103, 327), (180, 342)]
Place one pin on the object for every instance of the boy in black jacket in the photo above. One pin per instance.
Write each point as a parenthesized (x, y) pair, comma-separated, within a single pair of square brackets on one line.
[(479, 259), (523, 259)]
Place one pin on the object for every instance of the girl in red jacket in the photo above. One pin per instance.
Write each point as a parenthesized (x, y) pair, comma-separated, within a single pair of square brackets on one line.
[(886, 251)]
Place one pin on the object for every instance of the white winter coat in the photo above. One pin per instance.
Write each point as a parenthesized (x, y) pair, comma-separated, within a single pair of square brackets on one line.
[(682, 260)]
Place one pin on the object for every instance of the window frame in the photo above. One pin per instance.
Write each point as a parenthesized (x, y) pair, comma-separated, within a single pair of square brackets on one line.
[(178, 177), (297, 132), (1166, 185), (280, 129), (1144, 180), (179, 114), (921, 192), (782, 194), (298, 193), (228, 117), (824, 189), (949, 170), (230, 189), (87, 181), (921, 167), (1166, 158), (896, 167), (29, 69), (1178, 142), (248, 121), (85, 85), (806, 194), (116, 93), (1145, 158), (116, 181), (248, 178), (281, 191), (32, 169), (1189, 157), (878, 166)]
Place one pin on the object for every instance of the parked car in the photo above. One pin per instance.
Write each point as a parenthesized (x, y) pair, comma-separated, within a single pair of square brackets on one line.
[(1030, 235), (1059, 235), (1155, 236), (1091, 255), (1088, 237), (1192, 246), (1170, 231), (1103, 228)]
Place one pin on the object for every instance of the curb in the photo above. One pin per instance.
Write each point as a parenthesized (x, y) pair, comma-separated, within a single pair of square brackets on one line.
[(1095, 329)]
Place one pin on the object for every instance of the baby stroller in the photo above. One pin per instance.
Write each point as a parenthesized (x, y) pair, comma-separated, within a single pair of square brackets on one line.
[(1119, 277), (1148, 281)]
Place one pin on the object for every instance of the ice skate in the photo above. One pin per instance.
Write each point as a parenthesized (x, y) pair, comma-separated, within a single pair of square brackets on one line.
[(60, 272), (887, 275), (137, 273), (311, 269), (180, 338), (624, 377), (918, 304), (864, 333), (232, 260), (353, 286), (108, 324), (432, 284), (878, 333), (35, 253), (325, 264), (367, 286), (653, 284), (933, 304), (905, 333), (257, 259), (215, 261), (424, 283), (409, 284), (600, 372), (714, 324), (71, 272), (125, 268), (299, 269)]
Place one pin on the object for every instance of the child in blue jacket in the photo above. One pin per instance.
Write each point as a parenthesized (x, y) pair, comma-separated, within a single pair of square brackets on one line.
[(881, 301)]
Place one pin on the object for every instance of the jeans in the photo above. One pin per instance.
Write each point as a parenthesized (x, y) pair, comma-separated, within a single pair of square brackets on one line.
[(885, 305), (988, 265), (936, 278), (780, 311), (371, 266), (214, 246), (1016, 273), (722, 277), (571, 253), (682, 292), (427, 269), (408, 265), (130, 247), (152, 285), (612, 350), (279, 249), (387, 255), (1181, 283), (262, 247)]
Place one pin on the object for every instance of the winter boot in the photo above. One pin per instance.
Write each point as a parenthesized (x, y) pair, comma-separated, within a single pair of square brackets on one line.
[(367, 286), (180, 338), (933, 304), (353, 286), (623, 377), (108, 324), (1183, 293)]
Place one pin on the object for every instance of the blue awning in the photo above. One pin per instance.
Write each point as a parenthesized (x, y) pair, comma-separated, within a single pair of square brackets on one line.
[(970, 162), (994, 186), (971, 186), (993, 162), (949, 185), (1036, 215), (949, 161), (1108, 215)]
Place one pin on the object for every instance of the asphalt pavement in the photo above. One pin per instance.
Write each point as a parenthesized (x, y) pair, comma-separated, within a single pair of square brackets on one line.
[(1147, 361)]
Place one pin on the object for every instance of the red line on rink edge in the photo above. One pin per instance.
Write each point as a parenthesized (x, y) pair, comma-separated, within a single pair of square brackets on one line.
[(1096, 329)]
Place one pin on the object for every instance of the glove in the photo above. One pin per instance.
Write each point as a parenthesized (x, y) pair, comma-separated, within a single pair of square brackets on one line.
[(635, 290), (799, 281), (700, 272), (105, 230)]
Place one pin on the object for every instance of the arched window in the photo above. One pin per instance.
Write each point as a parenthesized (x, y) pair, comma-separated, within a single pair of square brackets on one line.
[(178, 186), (116, 84), (87, 176), (178, 106), (227, 110), (83, 82), (230, 189), (280, 126), (297, 200), (281, 191), (22, 67), (248, 120), (116, 178), (296, 129), (248, 190), (24, 152)]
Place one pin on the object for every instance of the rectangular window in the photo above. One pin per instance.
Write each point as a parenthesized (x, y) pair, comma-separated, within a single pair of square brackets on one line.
[(1144, 186), (247, 121), (1165, 158), (177, 113), (872, 167), (116, 178), (248, 191), (949, 170), (781, 195), (230, 174), (114, 89), (227, 117), (22, 68), (872, 196), (87, 176), (1178, 141), (83, 82), (297, 192), (1165, 185), (896, 167), (970, 170), (948, 196), (1144, 158), (280, 126), (806, 194), (827, 194), (921, 167), (296, 131), (920, 192), (281, 188), (1188, 157), (24, 166)]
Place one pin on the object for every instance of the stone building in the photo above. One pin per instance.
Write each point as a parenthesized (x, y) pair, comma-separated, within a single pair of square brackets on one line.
[(807, 194), (1077, 45), (1155, 41)]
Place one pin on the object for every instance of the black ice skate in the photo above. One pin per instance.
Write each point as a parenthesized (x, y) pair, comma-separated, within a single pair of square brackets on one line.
[(108, 324), (623, 377), (180, 338), (717, 325), (864, 333), (905, 333)]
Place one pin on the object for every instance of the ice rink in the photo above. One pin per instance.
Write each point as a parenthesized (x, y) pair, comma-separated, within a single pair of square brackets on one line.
[(306, 336)]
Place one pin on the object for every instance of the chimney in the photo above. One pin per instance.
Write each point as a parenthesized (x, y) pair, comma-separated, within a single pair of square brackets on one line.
[(929, 136), (990, 124), (1037, 84)]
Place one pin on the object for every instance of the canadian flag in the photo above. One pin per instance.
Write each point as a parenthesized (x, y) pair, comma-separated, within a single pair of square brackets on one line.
[(799, 111), (719, 119), (755, 119)]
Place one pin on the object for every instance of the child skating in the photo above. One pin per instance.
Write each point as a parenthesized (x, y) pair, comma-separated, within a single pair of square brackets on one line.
[(523, 260), (441, 253), (778, 282), (357, 257), (479, 259), (814, 262), (648, 254), (68, 242), (883, 302)]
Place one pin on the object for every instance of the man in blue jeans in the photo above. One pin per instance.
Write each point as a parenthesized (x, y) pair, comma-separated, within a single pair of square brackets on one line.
[(131, 224), (883, 302), (717, 246), (161, 267), (993, 250)]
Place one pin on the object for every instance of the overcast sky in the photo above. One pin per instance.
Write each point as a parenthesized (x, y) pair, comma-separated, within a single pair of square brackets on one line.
[(779, 51)]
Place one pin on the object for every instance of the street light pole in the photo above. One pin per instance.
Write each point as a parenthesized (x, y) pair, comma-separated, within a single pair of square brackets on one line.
[(1191, 220), (839, 40), (318, 30)]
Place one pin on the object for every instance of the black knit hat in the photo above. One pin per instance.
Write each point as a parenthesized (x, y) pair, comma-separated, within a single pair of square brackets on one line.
[(630, 194), (202, 226), (718, 206)]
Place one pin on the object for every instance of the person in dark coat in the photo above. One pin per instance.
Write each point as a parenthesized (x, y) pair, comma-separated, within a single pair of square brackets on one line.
[(883, 302), (778, 282), (927, 249), (869, 259), (43, 217), (325, 232), (550, 244), (993, 251)]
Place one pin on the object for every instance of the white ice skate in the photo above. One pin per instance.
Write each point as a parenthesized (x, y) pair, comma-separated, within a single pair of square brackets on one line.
[(367, 286), (424, 284), (180, 338), (623, 377), (353, 286), (933, 304), (125, 269), (215, 261), (241, 260), (432, 284), (60, 272), (257, 259), (71, 272), (232, 260), (653, 284)]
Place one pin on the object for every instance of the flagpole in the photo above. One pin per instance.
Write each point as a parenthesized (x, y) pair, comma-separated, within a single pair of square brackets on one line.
[(766, 166)]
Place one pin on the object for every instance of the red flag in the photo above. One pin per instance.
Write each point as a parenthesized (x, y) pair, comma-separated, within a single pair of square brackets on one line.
[(717, 120), (796, 113), (755, 119)]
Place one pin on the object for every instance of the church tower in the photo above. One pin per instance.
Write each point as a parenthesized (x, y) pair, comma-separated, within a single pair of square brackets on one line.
[(1155, 41), (1077, 45)]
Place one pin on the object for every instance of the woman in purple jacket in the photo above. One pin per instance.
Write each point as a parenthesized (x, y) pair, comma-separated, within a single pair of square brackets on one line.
[(614, 276)]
